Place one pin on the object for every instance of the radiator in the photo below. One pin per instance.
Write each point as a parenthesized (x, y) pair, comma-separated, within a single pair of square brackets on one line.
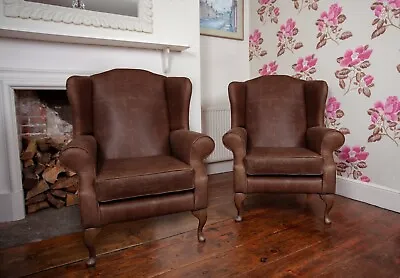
[(215, 122)]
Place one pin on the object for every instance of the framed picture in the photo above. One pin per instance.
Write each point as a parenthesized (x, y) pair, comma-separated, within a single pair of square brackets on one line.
[(222, 18)]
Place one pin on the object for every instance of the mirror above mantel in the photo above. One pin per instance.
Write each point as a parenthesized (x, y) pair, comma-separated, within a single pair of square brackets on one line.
[(122, 23), (130, 15)]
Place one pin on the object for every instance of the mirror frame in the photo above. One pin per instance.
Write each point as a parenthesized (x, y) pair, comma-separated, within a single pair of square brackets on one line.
[(44, 12)]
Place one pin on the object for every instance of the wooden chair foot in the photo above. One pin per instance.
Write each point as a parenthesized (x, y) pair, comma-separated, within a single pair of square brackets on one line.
[(202, 216), (89, 239), (239, 203), (328, 200)]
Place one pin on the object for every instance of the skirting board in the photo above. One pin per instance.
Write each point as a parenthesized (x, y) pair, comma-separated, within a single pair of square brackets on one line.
[(374, 194), (220, 167)]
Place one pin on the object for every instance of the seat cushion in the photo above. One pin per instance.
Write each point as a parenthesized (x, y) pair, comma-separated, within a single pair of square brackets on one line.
[(283, 161), (134, 177)]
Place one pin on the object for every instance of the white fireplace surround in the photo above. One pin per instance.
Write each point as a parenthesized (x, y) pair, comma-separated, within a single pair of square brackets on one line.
[(12, 206)]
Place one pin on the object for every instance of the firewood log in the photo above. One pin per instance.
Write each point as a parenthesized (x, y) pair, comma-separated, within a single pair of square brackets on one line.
[(37, 199), (43, 158), (59, 193), (41, 187), (51, 173), (38, 206), (39, 168), (30, 179), (29, 163), (72, 199), (30, 151), (54, 201), (43, 144), (66, 182)]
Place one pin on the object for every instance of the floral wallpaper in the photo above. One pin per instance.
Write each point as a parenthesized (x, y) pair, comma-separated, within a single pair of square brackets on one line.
[(354, 46)]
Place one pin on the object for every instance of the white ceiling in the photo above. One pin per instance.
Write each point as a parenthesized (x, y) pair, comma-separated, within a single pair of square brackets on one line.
[(122, 7)]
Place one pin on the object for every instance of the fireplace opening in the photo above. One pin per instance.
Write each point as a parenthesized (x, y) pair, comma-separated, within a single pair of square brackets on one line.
[(44, 128)]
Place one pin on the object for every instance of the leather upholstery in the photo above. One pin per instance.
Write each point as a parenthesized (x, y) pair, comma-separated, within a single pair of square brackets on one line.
[(132, 149), (283, 161), (126, 178), (278, 138)]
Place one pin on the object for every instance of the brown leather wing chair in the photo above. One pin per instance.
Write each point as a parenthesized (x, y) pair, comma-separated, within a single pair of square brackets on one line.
[(279, 141), (133, 150)]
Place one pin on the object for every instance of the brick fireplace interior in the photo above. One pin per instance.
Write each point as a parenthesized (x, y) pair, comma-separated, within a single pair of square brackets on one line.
[(44, 128)]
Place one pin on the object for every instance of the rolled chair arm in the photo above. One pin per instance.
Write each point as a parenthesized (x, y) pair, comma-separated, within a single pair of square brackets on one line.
[(192, 148), (80, 155), (236, 141), (325, 141)]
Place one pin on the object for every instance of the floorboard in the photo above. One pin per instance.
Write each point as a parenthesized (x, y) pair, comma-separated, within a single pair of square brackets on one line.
[(280, 236)]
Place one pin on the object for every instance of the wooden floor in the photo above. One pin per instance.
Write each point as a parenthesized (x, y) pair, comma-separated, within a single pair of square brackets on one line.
[(280, 236)]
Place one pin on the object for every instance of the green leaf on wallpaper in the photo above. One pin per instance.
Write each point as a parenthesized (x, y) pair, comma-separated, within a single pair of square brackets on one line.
[(346, 35), (342, 85), (341, 18), (263, 53), (298, 45), (376, 20), (321, 43), (366, 92), (362, 164), (378, 32), (365, 64), (281, 51), (398, 68)]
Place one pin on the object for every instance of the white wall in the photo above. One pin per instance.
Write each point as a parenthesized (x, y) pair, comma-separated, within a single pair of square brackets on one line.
[(223, 61), (175, 21)]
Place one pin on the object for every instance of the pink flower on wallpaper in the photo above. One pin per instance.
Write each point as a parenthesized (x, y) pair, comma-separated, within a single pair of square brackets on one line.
[(268, 10), (332, 16), (332, 106), (353, 154), (329, 26), (255, 41), (305, 67), (352, 75), (333, 115), (351, 162), (310, 4), (395, 4), (387, 13), (385, 120), (354, 57), (255, 37), (268, 69), (286, 37)]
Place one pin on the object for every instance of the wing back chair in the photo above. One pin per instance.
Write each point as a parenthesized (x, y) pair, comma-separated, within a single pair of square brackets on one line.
[(279, 141), (133, 150)]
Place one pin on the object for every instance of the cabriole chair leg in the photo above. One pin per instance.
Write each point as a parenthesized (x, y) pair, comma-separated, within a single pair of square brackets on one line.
[(202, 216), (239, 203), (89, 238), (328, 200)]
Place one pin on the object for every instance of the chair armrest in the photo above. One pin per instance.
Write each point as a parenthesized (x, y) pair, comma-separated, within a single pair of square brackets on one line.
[(324, 140), (80, 155), (190, 146), (236, 141)]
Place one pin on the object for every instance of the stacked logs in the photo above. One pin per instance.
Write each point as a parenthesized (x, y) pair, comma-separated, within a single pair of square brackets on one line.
[(45, 181)]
